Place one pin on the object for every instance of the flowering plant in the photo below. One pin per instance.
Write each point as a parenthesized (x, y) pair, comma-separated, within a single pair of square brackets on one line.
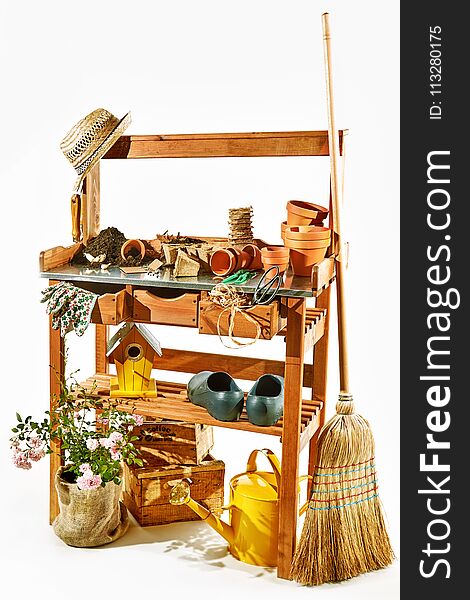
[(94, 438)]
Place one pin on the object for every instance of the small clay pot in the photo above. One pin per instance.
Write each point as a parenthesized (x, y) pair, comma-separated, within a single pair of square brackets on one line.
[(132, 248), (307, 232), (223, 261), (302, 260), (254, 253), (305, 213), (244, 259), (284, 226), (306, 244), (274, 252), (282, 268)]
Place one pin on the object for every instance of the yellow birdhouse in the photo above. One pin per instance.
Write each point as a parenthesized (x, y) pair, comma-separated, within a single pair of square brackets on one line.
[(133, 349)]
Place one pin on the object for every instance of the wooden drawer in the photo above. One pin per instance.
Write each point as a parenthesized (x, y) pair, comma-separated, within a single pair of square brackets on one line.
[(112, 309), (270, 317), (166, 307)]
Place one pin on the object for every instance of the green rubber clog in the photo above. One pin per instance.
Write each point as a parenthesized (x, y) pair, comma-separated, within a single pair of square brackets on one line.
[(218, 393), (265, 401)]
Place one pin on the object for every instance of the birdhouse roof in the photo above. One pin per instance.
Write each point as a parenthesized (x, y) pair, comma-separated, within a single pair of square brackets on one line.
[(124, 331)]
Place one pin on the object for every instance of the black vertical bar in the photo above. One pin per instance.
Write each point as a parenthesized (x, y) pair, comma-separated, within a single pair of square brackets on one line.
[(435, 332)]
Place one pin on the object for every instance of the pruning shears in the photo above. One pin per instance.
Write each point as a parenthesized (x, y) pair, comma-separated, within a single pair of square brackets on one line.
[(240, 277)]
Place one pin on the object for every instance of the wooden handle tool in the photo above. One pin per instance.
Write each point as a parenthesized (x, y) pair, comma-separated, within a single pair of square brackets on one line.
[(333, 141), (75, 206)]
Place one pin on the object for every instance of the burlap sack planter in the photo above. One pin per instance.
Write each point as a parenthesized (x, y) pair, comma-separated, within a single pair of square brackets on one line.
[(89, 517)]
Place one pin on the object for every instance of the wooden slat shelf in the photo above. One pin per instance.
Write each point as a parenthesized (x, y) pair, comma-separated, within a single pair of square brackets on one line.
[(172, 403), (314, 326), (208, 145)]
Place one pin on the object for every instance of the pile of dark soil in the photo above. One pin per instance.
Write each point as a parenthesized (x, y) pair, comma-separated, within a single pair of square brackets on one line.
[(108, 242)]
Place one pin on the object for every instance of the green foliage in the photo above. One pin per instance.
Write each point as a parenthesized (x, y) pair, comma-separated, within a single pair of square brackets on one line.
[(90, 433)]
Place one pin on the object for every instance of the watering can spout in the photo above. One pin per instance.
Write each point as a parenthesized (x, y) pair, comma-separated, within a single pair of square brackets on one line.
[(180, 494)]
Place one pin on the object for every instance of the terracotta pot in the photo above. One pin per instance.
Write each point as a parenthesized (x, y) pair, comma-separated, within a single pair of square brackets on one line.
[(282, 268), (305, 213), (274, 252), (306, 244), (302, 260), (308, 232), (244, 259), (223, 261), (254, 253), (284, 225), (132, 248)]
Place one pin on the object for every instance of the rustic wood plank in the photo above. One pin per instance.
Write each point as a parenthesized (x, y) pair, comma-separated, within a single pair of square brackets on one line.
[(323, 274), (101, 340), (57, 256), (240, 367), (301, 143), (91, 204), (56, 375), (296, 308)]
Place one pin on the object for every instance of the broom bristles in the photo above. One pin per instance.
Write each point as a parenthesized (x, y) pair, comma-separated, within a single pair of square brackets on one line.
[(344, 532)]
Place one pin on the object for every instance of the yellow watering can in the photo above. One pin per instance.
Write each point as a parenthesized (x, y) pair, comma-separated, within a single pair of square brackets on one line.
[(254, 511)]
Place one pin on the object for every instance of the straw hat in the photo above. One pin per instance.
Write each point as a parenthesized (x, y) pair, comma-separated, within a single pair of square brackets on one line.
[(90, 139)]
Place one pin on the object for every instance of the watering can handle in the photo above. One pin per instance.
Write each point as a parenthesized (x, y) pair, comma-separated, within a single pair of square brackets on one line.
[(273, 459)]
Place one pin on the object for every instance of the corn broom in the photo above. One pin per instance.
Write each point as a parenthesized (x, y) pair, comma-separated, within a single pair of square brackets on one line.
[(344, 532)]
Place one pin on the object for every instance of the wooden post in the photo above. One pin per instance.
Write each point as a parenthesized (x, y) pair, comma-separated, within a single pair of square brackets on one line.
[(90, 209), (101, 339), (288, 499), (56, 375), (320, 373)]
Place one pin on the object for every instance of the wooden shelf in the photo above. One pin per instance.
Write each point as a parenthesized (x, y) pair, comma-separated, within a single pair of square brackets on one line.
[(172, 403), (207, 145)]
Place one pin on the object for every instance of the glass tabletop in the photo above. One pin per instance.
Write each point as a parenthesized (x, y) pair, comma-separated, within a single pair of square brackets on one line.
[(292, 286)]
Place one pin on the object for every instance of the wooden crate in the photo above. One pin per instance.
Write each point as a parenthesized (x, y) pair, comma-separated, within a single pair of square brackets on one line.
[(147, 490), (173, 442), (270, 317), (166, 309)]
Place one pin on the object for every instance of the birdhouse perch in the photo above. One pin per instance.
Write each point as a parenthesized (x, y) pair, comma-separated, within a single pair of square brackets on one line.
[(133, 349)]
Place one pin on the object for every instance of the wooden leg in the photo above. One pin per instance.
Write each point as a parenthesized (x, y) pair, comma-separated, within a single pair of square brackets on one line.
[(288, 498), (101, 339), (320, 372), (56, 375), (101, 361)]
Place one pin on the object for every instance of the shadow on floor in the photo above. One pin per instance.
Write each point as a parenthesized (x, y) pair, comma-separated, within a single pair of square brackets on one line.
[(192, 541)]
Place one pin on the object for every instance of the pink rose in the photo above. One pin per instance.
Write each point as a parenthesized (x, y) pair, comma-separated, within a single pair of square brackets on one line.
[(115, 455), (84, 468), (106, 442), (92, 444), (36, 442), (88, 481), (20, 460), (115, 438), (138, 419), (36, 454)]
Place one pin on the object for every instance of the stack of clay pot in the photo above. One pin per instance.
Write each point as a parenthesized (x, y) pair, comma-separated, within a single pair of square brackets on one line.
[(305, 236), (275, 256), (225, 261)]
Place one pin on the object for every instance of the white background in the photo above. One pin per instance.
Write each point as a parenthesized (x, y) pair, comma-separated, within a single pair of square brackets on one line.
[(184, 67)]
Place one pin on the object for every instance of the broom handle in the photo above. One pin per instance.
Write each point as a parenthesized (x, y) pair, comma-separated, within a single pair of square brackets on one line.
[(333, 141)]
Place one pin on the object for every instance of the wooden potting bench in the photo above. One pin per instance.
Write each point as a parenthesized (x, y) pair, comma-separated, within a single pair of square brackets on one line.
[(170, 301)]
